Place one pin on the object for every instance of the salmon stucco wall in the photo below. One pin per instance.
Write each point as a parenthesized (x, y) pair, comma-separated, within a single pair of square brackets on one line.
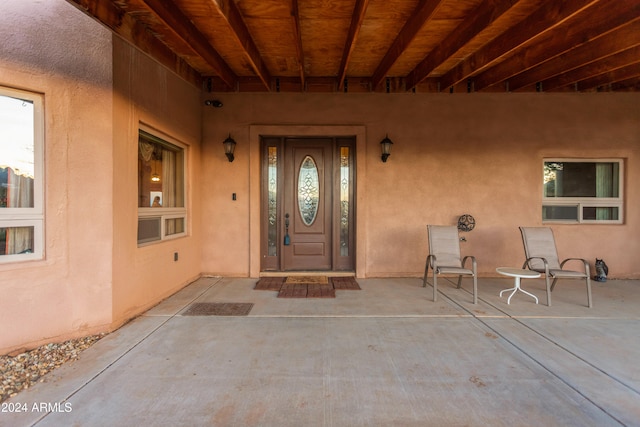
[(146, 93), (453, 154), (53, 49)]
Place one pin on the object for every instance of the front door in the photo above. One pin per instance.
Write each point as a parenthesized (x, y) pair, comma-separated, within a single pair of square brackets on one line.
[(307, 204), (307, 208)]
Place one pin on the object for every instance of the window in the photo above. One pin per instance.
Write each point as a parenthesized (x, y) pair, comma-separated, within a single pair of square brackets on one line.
[(21, 176), (582, 191), (161, 188)]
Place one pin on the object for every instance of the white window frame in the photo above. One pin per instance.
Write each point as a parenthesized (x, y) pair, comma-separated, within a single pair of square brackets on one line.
[(582, 202), (162, 213), (29, 217)]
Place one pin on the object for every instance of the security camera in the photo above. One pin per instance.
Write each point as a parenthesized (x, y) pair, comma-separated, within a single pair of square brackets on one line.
[(213, 103)]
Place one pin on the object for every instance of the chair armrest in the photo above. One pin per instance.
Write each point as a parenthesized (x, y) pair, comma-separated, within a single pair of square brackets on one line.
[(544, 261), (474, 264), (584, 262), (431, 260)]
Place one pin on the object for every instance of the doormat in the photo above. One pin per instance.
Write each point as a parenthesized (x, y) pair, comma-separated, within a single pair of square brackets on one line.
[(219, 309), (294, 280), (306, 286)]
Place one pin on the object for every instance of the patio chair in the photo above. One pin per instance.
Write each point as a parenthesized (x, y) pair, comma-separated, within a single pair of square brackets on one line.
[(444, 258), (542, 256)]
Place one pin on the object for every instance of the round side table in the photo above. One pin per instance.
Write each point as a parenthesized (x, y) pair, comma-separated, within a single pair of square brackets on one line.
[(517, 274)]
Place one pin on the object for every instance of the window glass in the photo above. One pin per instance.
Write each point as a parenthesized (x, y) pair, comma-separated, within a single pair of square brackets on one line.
[(160, 173), (581, 179), (21, 146), (16, 153)]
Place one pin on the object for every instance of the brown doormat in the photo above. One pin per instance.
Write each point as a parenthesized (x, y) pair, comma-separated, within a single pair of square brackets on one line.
[(219, 309), (321, 280), (270, 283), (307, 286), (345, 283)]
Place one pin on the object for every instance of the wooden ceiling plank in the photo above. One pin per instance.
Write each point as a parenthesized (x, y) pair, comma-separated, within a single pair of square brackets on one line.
[(549, 15), (616, 41), (618, 60), (610, 77), (116, 19), (295, 16), (357, 17), (420, 16), (229, 11), (599, 19), (484, 15), (184, 28)]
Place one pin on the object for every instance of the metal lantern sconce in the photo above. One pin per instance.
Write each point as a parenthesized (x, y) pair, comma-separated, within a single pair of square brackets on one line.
[(385, 146), (229, 147)]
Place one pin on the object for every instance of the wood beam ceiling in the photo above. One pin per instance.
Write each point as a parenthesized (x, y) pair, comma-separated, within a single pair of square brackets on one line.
[(355, 45)]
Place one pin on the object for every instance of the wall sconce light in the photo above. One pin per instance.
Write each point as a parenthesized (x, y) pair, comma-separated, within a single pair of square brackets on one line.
[(385, 146), (229, 147)]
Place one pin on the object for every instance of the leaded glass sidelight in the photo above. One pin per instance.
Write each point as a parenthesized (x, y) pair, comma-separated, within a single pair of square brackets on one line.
[(344, 201), (308, 190), (272, 226)]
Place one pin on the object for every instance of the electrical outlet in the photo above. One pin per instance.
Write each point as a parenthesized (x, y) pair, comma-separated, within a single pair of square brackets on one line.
[(175, 256)]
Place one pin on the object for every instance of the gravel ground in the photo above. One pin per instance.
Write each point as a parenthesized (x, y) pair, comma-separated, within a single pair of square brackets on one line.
[(22, 371)]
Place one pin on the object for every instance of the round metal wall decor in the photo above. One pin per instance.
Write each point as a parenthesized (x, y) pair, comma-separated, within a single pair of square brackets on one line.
[(466, 222)]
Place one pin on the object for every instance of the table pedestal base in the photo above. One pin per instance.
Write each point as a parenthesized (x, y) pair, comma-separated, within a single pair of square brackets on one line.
[(515, 289)]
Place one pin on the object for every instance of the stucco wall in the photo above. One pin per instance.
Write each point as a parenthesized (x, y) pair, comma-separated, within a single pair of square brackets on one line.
[(474, 153), (145, 92), (52, 48)]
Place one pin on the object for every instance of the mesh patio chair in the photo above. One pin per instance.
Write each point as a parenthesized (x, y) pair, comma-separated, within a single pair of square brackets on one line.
[(444, 258), (542, 256)]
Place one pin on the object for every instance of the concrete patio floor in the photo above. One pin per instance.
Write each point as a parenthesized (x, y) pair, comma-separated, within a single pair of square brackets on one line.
[(385, 355)]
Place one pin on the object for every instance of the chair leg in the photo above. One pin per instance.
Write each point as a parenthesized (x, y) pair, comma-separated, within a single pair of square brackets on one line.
[(459, 281), (549, 288), (475, 289), (553, 285), (435, 286), (589, 301), (426, 274)]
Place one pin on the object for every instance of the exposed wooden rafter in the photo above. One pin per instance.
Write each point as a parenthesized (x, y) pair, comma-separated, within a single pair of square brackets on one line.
[(295, 15), (598, 19), (546, 17), (485, 14), (602, 50), (612, 62), (184, 28), (230, 12), (356, 22), (420, 16)]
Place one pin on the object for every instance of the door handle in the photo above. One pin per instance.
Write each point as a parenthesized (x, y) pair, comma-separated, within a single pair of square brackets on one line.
[(287, 239)]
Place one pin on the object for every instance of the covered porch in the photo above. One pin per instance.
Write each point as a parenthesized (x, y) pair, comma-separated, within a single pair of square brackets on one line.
[(383, 355)]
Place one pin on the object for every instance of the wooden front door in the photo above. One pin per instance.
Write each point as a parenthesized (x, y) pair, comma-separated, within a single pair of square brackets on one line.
[(307, 204)]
